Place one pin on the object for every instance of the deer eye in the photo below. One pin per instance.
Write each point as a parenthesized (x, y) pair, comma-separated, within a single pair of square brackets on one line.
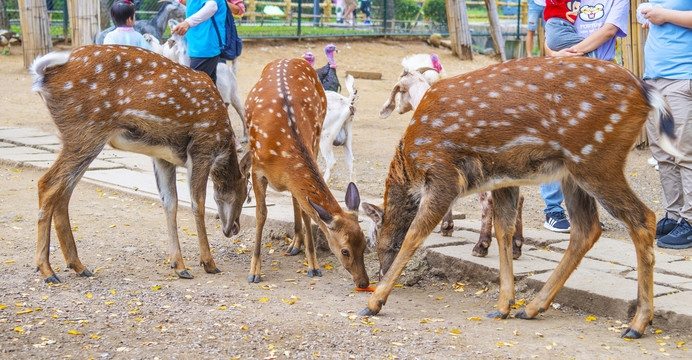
[(344, 252)]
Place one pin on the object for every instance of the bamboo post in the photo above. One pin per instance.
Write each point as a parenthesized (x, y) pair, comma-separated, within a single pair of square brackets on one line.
[(33, 17), (459, 31), (84, 21), (252, 8), (495, 29), (327, 10)]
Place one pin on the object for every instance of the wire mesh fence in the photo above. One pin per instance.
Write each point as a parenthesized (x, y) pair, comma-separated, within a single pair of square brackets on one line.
[(316, 18)]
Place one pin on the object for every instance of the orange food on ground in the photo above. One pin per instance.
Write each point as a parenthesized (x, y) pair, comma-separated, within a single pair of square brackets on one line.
[(369, 288)]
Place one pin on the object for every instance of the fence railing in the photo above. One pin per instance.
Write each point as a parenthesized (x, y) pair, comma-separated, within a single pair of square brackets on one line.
[(298, 21)]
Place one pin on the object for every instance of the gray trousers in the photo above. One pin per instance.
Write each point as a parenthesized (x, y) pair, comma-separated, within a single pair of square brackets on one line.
[(676, 174), (561, 34)]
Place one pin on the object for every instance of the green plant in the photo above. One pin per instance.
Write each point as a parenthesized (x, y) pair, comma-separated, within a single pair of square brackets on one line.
[(406, 9), (436, 10)]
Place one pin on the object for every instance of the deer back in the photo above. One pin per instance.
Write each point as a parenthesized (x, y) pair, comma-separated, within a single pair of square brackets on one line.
[(527, 118)]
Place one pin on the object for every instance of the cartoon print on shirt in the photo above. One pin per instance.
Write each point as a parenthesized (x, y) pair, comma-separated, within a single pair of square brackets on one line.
[(573, 7), (591, 13)]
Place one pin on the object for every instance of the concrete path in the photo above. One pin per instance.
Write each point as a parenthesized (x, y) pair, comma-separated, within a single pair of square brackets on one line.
[(604, 284)]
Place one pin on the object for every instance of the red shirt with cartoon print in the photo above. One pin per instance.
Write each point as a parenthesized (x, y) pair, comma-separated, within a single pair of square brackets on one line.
[(563, 9)]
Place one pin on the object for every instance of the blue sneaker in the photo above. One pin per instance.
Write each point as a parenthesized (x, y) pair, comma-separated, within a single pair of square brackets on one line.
[(665, 226), (678, 238), (557, 221)]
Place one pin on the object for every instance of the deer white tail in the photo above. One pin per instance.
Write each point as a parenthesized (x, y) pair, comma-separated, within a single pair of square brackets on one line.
[(41, 63), (663, 117)]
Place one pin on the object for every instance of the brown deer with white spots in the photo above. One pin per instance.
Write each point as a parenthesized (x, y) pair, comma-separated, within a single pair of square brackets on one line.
[(524, 121), (405, 96), (136, 100), (285, 111)]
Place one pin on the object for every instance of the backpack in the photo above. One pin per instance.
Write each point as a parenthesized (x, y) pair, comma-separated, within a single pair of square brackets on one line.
[(234, 44)]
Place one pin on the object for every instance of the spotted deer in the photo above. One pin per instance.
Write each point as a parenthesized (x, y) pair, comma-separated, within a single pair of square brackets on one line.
[(136, 100), (405, 96), (524, 121), (285, 111)]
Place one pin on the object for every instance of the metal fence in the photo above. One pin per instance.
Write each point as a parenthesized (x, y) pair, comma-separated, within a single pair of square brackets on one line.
[(320, 18)]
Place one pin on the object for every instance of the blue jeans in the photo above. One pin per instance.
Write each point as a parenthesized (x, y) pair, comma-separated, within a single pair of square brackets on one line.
[(552, 195), (534, 15)]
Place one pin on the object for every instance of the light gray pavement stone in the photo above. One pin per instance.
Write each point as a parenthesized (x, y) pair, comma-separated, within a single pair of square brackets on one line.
[(604, 284)]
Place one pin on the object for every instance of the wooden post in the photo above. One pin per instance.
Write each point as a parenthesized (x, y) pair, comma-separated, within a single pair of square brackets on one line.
[(459, 31), (496, 29), (252, 8), (33, 17), (84, 21)]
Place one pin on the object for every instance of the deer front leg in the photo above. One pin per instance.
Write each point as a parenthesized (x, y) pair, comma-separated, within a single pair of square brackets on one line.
[(486, 235), (431, 210), (260, 189), (297, 243), (504, 216), (311, 251), (165, 181), (518, 237), (197, 178)]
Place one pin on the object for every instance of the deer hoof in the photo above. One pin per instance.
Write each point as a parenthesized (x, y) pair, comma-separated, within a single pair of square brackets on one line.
[(209, 268), (630, 334), (184, 274), (316, 272), (85, 273), (523, 315), (253, 278), (447, 229), (292, 252), (53, 279), (367, 312), (479, 251), (497, 315)]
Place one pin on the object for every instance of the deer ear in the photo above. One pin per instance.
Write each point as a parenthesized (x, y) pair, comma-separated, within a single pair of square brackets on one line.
[(374, 212), (352, 197), (245, 164), (388, 106), (323, 214)]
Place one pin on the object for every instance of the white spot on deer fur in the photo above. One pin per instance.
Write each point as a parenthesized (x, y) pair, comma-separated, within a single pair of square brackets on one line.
[(566, 112), (586, 150), (608, 128), (598, 136), (106, 104), (532, 87), (493, 94), (623, 106), (469, 113), (482, 105), (437, 123), (549, 75), (570, 84), (510, 111), (68, 85), (573, 122), (615, 118), (93, 86), (451, 128), (422, 141), (138, 60), (545, 123), (98, 68), (561, 131), (583, 79)]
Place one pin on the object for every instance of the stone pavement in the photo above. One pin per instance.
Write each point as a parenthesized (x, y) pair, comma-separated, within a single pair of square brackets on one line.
[(604, 284)]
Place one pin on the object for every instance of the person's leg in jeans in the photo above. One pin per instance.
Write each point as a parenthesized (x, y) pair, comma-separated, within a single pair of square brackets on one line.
[(534, 15), (555, 219)]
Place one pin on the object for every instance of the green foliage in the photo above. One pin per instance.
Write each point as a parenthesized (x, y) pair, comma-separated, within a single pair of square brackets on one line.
[(436, 10), (406, 9)]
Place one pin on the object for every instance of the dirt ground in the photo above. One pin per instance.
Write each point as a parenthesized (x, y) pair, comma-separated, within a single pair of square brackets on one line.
[(135, 307)]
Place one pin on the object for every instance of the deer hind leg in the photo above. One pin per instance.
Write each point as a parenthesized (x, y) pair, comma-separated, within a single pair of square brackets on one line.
[(54, 190), (486, 235), (585, 231), (165, 181), (310, 249), (260, 189), (298, 234), (518, 237), (433, 207), (504, 216)]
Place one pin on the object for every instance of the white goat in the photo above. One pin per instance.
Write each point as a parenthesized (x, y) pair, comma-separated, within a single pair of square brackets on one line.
[(336, 129), (428, 64), (226, 80)]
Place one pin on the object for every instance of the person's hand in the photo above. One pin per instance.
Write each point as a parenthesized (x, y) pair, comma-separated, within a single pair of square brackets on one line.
[(645, 25), (566, 52), (656, 15), (181, 28), (235, 9)]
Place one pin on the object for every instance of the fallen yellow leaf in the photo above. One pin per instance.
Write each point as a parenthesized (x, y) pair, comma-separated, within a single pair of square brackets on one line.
[(74, 332), (590, 318), (473, 318), (263, 299), (455, 331)]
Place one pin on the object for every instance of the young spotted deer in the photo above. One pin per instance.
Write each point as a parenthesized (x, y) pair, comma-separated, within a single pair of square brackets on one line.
[(405, 96), (136, 100), (525, 121), (285, 111)]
